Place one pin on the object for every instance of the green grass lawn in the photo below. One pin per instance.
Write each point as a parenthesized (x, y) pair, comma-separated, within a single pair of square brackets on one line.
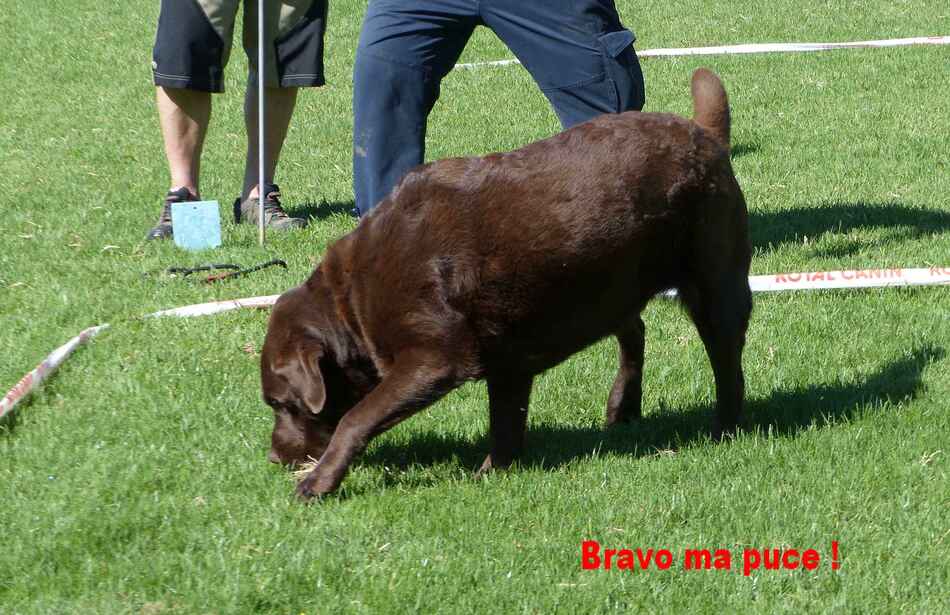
[(136, 480)]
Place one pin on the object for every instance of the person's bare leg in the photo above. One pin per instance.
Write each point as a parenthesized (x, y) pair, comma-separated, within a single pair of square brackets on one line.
[(184, 116), (279, 106)]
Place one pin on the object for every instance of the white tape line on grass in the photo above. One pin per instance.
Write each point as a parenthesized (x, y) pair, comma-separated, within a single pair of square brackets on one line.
[(216, 307), (846, 279), (810, 280), (755, 48), (51, 363), (850, 278), (46, 367)]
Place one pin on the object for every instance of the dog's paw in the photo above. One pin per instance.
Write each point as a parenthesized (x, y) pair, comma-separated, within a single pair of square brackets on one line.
[(725, 431), (305, 492), (486, 468), (491, 465), (315, 485)]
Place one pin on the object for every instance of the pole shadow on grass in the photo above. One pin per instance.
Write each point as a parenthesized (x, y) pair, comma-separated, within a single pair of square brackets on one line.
[(793, 225), (784, 413)]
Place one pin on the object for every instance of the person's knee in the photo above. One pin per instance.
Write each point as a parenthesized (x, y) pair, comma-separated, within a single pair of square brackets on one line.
[(401, 91), (369, 72), (374, 72)]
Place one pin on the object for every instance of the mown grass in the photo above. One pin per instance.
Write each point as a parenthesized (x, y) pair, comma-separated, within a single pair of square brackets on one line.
[(135, 481)]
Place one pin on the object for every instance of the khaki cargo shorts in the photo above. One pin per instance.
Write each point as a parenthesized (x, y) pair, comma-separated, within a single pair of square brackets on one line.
[(193, 42)]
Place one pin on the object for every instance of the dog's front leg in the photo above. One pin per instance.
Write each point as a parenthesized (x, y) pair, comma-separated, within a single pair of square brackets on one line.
[(623, 405), (414, 382), (508, 415)]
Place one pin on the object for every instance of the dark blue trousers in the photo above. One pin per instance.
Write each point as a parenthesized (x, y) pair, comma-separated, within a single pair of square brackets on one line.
[(577, 51)]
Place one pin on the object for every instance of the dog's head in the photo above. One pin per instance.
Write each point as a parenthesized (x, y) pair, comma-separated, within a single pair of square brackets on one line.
[(304, 379)]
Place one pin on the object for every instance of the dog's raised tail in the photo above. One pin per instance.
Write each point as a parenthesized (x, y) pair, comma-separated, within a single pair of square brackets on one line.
[(710, 104)]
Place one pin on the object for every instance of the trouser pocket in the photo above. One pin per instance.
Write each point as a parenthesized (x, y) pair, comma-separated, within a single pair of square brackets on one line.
[(622, 68)]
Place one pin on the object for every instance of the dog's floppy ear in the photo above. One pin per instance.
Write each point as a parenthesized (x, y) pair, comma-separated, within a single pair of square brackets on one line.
[(302, 372)]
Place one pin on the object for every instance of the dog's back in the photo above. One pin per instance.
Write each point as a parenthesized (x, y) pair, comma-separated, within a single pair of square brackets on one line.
[(536, 253)]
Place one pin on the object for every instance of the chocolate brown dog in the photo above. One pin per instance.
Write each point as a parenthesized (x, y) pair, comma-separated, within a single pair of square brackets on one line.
[(503, 266)]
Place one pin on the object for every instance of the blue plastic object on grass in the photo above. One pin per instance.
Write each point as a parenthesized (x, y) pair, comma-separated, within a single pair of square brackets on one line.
[(196, 225)]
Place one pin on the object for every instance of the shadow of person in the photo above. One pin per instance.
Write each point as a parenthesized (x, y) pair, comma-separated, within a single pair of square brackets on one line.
[(738, 150), (323, 210), (773, 228), (783, 413)]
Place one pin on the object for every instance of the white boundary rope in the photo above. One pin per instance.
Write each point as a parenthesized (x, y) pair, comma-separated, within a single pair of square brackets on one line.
[(46, 367), (809, 280), (850, 278), (754, 48), (216, 307)]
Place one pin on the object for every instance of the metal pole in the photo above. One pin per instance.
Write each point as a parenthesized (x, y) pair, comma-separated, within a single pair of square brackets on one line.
[(260, 121)]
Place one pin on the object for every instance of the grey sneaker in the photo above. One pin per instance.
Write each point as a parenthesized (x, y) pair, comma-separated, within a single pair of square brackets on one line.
[(274, 215), (163, 228)]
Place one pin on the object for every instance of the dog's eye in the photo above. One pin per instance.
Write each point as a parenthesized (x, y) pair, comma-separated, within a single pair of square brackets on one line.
[(286, 408), (276, 405)]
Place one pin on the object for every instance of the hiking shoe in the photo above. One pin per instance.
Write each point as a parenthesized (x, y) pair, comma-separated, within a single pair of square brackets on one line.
[(274, 215), (163, 228)]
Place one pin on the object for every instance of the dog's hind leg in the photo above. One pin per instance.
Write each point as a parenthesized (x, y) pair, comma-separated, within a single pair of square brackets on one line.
[(623, 405), (508, 397), (720, 308)]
